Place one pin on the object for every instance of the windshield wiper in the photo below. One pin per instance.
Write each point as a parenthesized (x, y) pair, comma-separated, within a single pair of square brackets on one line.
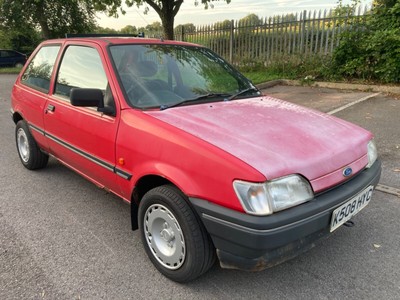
[(244, 92), (201, 97)]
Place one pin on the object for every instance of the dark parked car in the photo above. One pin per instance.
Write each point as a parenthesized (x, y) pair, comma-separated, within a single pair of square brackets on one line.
[(11, 58)]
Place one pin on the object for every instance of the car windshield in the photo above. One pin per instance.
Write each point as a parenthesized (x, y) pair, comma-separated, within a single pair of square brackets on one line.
[(165, 76)]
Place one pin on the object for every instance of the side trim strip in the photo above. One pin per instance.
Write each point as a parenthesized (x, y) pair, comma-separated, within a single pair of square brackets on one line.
[(123, 174), (34, 127), (81, 153), (78, 151)]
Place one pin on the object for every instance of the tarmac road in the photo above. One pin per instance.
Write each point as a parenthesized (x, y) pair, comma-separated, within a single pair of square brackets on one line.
[(63, 238)]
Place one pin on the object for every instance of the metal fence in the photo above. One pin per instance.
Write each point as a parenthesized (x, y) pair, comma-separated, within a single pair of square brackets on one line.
[(305, 33)]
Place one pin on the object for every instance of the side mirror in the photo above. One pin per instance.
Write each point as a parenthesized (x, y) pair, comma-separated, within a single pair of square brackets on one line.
[(90, 98), (86, 97)]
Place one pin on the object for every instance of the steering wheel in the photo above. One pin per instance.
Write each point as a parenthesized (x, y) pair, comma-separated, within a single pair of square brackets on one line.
[(132, 87)]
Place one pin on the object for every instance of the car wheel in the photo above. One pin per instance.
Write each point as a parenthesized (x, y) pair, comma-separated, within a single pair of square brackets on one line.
[(29, 152), (19, 65), (173, 237)]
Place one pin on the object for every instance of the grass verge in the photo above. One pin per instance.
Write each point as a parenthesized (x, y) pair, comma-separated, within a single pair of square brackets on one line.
[(10, 70), (288, 67)]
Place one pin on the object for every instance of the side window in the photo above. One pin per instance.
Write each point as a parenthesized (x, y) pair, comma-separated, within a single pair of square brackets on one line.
[(6, 53), (38, 72), (81, 67)]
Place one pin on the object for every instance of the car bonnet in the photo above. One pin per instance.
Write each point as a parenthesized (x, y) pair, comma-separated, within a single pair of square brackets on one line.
[(276, 137)]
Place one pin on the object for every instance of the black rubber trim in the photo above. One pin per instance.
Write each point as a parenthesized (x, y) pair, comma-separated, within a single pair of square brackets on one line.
[(123, 174), (84, 154), (34, 127), (81, 153)]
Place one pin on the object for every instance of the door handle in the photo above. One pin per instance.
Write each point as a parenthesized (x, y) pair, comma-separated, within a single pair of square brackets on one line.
[(51, 108)]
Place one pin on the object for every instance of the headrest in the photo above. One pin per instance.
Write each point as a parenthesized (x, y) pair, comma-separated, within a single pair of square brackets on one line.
[(146, 68)]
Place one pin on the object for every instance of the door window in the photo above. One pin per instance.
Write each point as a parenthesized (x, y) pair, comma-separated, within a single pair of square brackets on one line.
[(81, 67)]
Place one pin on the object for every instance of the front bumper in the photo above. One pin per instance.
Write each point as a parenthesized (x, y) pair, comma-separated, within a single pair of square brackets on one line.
[(258, 242)]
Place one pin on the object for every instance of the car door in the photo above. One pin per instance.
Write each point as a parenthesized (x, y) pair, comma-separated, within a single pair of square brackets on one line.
[(82, 137)]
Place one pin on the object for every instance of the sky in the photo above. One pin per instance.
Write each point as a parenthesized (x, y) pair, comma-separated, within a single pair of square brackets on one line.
[(237, 9)]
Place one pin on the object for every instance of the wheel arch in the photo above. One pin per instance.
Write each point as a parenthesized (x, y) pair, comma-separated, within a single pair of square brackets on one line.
[(16, 117), (143, 185)]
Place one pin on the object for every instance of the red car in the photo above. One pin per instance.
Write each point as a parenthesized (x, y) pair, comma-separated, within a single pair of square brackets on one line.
[(211, 167)]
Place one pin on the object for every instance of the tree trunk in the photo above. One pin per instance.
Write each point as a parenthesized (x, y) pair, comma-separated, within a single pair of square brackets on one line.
[(45, 29), (167, 19), (39, 8), (168, 27)]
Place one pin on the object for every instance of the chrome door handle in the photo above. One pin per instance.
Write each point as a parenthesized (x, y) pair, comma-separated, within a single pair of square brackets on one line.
[(50, 107)]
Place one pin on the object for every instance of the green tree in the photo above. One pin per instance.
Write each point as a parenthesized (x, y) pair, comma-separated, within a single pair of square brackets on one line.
[(105, 30), (187, 28), (289, 18), (129, 29), (166, 10), (154, 27), (225, 25), (53, 18), (250, 20)]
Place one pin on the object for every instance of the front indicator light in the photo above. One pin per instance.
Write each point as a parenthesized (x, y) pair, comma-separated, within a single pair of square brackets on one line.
[(372, 153)]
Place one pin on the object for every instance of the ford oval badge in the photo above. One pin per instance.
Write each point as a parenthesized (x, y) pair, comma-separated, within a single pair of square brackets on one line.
[(347, 172)]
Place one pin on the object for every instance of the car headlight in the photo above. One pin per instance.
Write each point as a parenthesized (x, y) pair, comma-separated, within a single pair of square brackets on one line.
[(372, 153), (272, 196)]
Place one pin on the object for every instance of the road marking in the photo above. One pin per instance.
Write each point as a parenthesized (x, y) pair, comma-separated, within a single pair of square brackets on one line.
[(388, 190), (352, 103)]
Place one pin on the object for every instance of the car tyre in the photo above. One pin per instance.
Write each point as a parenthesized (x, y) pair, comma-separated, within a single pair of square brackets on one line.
[(19, 65), (173, 236), (29, 152)]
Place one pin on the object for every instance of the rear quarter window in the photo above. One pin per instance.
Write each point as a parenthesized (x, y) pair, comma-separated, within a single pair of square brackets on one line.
[(38, 73)]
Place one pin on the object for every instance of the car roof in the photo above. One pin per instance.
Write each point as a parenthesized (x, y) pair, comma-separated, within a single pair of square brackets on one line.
[(104, 40), (15, 51)]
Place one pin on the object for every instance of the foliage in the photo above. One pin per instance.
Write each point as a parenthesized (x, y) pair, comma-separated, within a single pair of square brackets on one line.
[(187, 28), (225, 25), (23, 40), (250, 20), (307, 69), (106, 30), (154, 28), (53, 18), (372, 52), (10, 70), (5, 42), (167, 10), (129, 29)]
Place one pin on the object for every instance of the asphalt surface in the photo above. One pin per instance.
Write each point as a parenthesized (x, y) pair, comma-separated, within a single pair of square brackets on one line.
[(63, 238)]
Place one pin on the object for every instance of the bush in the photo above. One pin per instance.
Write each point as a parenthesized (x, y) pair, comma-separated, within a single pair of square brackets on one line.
[(372, 52)]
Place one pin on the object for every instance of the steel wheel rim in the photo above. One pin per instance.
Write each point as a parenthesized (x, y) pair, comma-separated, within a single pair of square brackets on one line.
[(164, 236), (23, 145)]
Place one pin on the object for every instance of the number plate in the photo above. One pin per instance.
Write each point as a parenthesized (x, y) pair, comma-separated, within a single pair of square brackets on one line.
[(346, 211)]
